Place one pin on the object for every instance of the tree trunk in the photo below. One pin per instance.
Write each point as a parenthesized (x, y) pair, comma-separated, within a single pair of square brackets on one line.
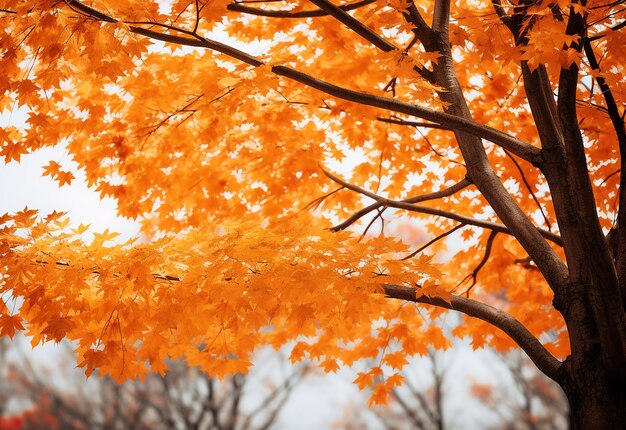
[(596, 393), (596, 400)]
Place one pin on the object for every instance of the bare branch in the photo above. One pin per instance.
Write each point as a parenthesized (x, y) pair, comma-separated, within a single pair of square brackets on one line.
[(446, 192), (361, 213), (352, 187), (545, 361), (499, 228), (378, 215), (357, 216), (279, 396), (408, 410), (318, 201), (355, 25)]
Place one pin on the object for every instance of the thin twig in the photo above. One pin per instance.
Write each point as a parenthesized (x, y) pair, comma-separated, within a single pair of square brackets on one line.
[(435, 195), (435, 239), (528, 187), (318, 201), (483, 261), (446, 192), (413, 123)]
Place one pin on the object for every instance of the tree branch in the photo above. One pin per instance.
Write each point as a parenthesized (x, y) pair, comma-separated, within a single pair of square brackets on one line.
[(446, 192), (435, 239), (441, 16), (618, 124), (481, 263), (529, 188), (539, 355), (364, 31), (383, 201), (355, 25), (413, 123), (425, 197), (240, 7), (413, 16)]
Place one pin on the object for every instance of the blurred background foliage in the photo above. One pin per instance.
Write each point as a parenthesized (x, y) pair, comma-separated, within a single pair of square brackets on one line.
[(44, 390)]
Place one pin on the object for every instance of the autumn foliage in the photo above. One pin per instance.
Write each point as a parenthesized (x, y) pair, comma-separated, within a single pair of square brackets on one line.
[(256, 141)]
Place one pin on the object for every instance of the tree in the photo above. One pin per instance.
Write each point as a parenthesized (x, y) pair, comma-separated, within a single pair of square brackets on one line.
[(418, 403), (539, 404), (185, 398), (218, 151), (520, 397)]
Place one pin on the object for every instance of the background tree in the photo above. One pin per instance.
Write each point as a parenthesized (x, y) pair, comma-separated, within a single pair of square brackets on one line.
[(532, 402), (517, 396), (185, 398), (217, 151)]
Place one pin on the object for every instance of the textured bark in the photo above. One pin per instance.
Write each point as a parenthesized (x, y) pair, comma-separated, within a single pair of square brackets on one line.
[(596, 394)]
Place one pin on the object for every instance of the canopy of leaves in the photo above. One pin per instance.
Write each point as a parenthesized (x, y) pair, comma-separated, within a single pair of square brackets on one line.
[(220, 155)]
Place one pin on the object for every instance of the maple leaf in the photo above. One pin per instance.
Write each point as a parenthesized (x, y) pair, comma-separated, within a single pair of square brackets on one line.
[(80, 229), (330, 366), (380, 395), (364, 380), (10, 324), (394, 380), (64, 177), (25, 218), (430, 289), (57, 328), (396, 360), (12, 151), (51, 169)]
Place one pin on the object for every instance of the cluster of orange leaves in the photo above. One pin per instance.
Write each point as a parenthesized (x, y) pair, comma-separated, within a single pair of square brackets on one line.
[(211, 297)]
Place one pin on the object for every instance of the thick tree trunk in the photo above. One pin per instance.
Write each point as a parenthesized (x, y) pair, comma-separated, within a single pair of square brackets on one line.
[(597, 401), (596, 392)]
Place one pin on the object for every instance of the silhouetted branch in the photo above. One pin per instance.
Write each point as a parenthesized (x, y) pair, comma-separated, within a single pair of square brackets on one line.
[(413, 123), (528, 187)]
